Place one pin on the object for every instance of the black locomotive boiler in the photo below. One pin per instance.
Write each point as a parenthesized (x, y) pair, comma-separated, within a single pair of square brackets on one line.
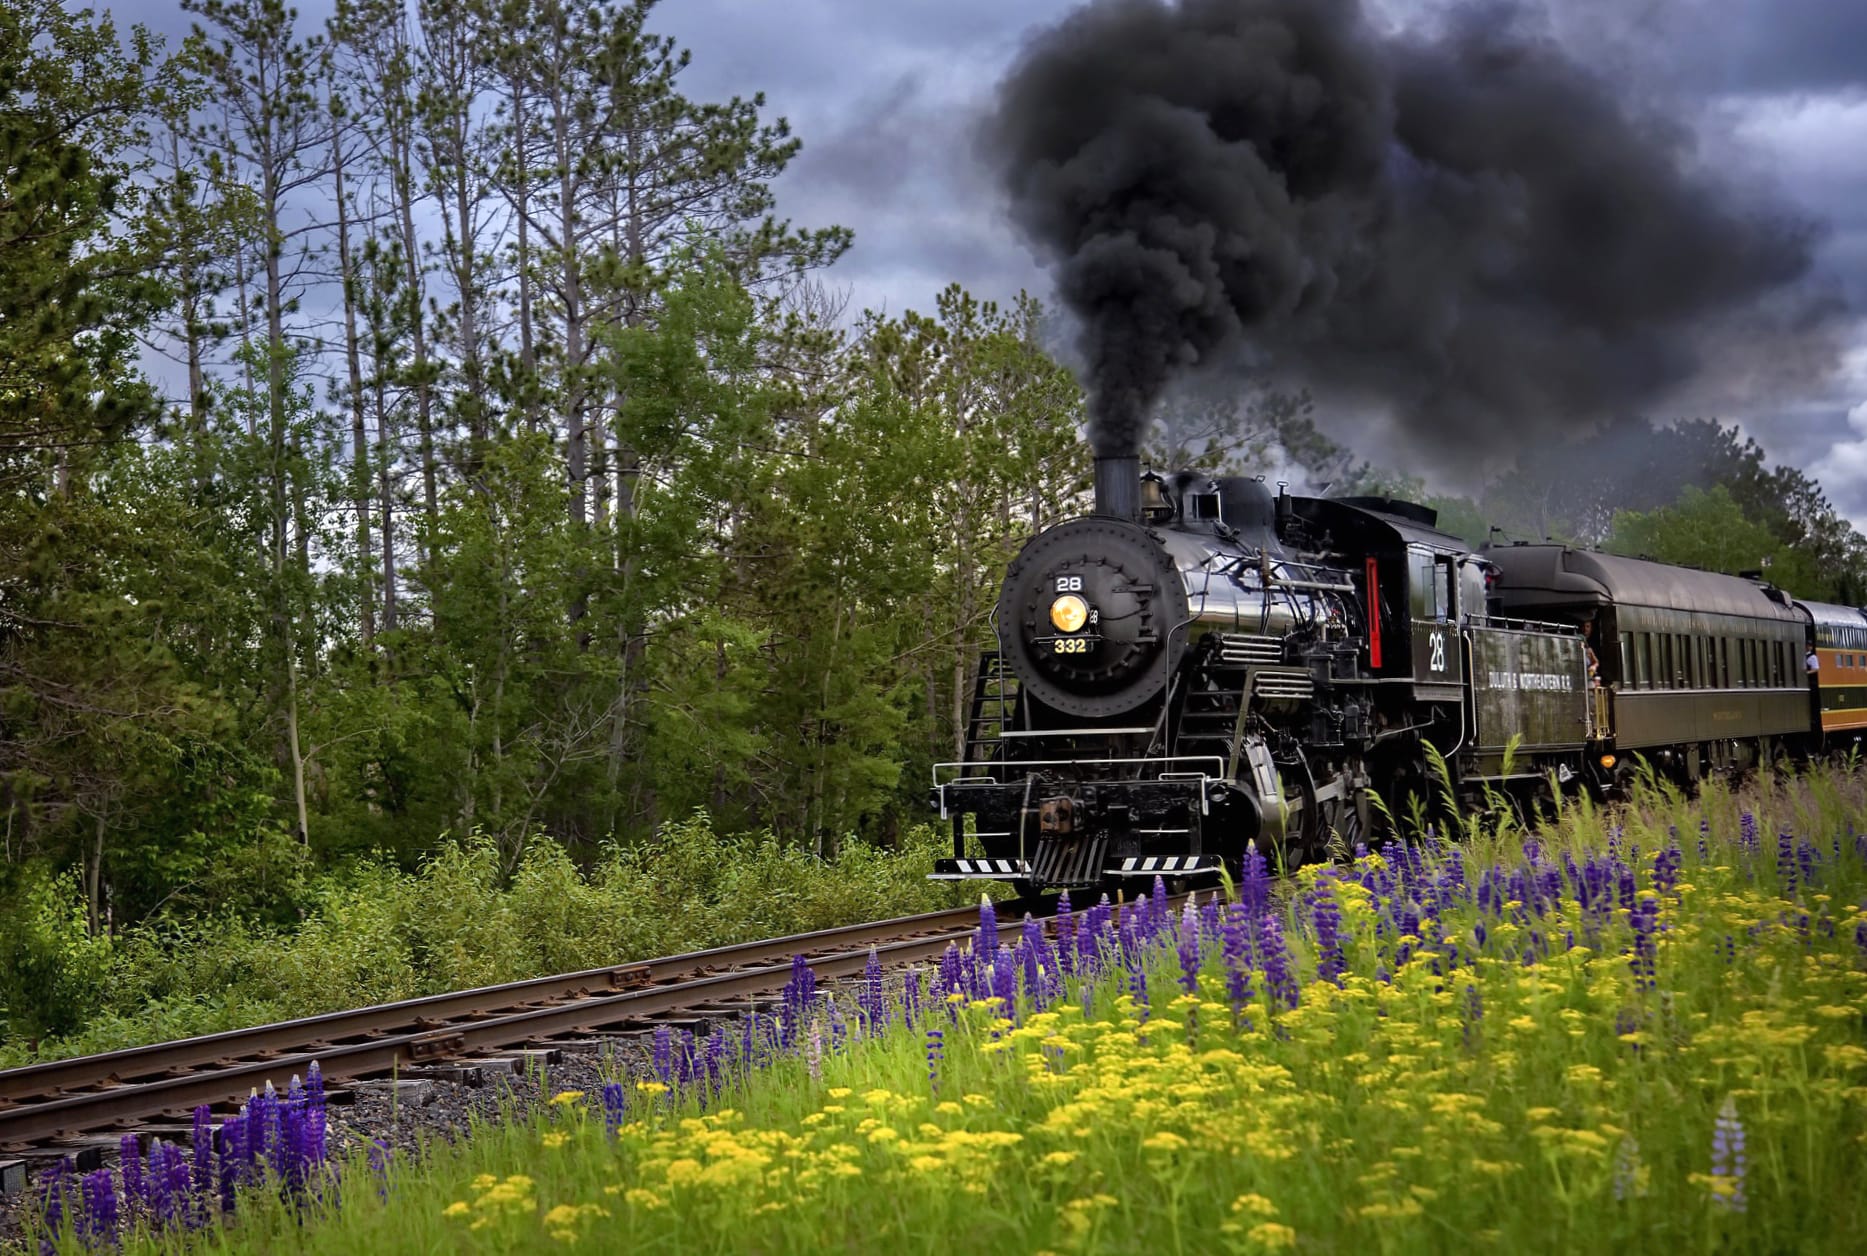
[(1200, 664)]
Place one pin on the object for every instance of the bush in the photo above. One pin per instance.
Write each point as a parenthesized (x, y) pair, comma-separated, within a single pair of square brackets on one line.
[(377, 933), (51, 968)]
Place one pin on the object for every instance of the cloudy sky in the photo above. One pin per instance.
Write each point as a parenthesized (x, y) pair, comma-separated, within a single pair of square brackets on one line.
[(885, 94)]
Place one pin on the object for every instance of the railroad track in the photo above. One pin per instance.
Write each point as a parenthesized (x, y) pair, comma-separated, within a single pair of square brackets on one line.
[(44, 1105)]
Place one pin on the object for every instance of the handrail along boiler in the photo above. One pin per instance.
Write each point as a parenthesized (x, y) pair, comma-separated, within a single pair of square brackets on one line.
[(1200, 664)]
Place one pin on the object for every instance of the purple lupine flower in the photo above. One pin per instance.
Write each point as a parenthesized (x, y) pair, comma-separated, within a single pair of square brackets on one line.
[(876, 1016), (1274, 959), (1747, 832), (101, 1213), (1254, 888), (203, 1147), (951, 977), (716, 1060), (1646, 922), (1158, 912), (171, 1186), (381, 1156), (1326, 920), (267, 1107), (1625, 886), (936, 1050), (687, 1056), (288, 1156), (1786, 863), (987, 944), (1627, 1170), (1666, 868), (872, 1002), (130, 1162), (1097, 942), (232, 1158), (748, 1038), (1031, 952), (1808, 862), (1189, 949), (798, 994), (53, 1186), (1727, 1157), (615, 1108), (1235, 948), (664, 1055), (1137, 986), (315, 1128), (1130, 940), (1704, 841), (1063, 925), (1474, 1014), (911, 998), (839, 1031), (1005, 980), (1052, 966)]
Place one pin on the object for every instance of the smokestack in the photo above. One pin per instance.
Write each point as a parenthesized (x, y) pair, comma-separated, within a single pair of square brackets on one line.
[(1118, 487)]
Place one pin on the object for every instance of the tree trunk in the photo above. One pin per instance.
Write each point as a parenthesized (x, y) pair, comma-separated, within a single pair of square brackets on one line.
[(385, 492), (402, 176), (359, 439), (528, 354)]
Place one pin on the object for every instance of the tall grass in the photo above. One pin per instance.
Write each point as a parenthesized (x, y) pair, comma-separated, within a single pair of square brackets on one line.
[(1634, 1027)]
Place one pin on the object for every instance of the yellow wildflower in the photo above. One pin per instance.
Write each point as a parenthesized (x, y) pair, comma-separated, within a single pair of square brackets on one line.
[(556, 1138), (456, 1209), (564, 1098), (1269, 1234), (1166, 1140), (1254, 1204)]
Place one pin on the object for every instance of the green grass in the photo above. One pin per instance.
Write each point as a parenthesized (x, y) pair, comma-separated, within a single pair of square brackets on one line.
[(1446, 1095)]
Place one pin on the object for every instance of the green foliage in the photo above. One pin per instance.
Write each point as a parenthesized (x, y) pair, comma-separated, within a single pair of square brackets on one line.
[(377, 933), (1708, 529), (51, 965)]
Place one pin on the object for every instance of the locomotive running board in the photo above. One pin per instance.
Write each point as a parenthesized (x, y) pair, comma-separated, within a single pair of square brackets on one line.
[(1166, 866), (1020, 870), (979, 870)]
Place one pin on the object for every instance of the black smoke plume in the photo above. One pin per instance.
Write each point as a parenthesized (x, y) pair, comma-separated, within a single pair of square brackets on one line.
[(1465, 225)]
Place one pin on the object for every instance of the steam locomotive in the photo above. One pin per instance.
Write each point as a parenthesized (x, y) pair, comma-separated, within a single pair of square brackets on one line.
[(1201, 663)]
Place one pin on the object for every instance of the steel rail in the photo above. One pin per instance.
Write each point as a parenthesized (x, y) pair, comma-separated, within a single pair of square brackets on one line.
[(335, 1027), (143, 1082)]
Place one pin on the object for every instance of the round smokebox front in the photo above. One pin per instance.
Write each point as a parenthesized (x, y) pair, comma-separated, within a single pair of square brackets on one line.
[(1092, 614)]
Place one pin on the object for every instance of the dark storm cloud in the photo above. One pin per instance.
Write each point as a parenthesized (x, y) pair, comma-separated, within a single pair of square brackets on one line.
[(1464, 225)]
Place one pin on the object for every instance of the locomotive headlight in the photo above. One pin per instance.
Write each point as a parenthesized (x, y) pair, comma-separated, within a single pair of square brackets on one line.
[(1069, 613)]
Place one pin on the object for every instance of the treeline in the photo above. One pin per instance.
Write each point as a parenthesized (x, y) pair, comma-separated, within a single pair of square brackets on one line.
[(520, 479), (426, 426)]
